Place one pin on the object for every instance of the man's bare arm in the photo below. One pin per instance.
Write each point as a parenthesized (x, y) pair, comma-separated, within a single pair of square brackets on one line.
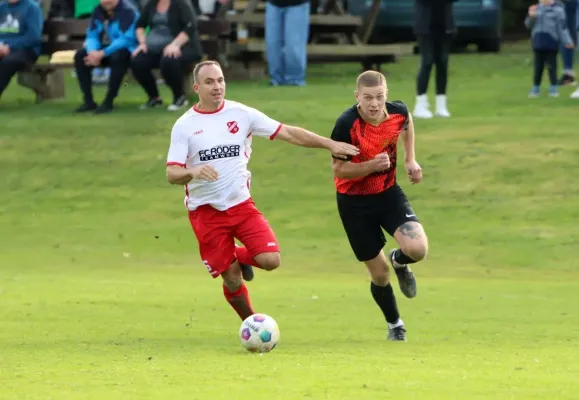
[(177, 175), (408, 140), (350, 170), (304, 138)]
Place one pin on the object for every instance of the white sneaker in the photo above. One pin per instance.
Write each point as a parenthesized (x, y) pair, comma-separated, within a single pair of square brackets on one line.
[(179, 104), (441, 110), (421, 108), (575, 94)]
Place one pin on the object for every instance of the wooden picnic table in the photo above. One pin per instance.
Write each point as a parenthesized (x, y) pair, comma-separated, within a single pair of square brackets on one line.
[(353, 32)]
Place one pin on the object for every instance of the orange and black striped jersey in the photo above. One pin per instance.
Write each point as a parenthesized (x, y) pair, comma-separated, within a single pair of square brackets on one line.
[(371, 140)]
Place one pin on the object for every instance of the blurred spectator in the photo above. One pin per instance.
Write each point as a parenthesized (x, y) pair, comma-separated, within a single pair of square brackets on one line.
[(84, 8), (434, 27), (117, 18), (549, 31), (21, 24), (567, 54), (287, 24), (171, 45), (208, 8), (60, 8)]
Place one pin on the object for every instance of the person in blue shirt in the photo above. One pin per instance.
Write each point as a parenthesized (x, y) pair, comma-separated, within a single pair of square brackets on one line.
[(21, 24), (548, 26), (116, 19)]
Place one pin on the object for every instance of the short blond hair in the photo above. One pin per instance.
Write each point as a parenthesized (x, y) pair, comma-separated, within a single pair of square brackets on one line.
[(201, 65), (370, 79)]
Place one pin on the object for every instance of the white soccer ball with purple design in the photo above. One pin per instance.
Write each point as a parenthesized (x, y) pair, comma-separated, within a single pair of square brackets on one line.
[(259, 333)]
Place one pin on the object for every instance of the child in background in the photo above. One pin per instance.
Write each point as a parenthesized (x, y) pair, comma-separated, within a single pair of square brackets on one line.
[(548, 26)]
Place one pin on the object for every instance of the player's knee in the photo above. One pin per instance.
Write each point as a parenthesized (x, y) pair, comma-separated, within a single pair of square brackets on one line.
[(417, 251), (378, 270), (268, 261), (380, 279), (232, 284)]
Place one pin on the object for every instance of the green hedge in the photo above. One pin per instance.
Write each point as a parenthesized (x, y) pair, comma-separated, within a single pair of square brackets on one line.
[(514, 13)]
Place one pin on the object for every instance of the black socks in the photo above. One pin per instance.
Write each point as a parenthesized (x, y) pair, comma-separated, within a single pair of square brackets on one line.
[(384, 297), (402, 258)]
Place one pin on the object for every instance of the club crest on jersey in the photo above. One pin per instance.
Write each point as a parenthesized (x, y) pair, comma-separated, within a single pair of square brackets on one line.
[(232, 127)]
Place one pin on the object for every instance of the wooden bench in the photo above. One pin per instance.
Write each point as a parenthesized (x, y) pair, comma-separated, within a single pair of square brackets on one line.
[(335, 36), (47, 81)]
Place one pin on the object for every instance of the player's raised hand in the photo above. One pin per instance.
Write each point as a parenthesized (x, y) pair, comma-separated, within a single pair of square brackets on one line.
[(343, 150), (205, 172), (381, 162), (414, 171)]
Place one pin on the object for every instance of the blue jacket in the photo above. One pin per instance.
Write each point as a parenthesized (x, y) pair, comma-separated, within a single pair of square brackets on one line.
[(21, 25), (119, 28), (549, 28)]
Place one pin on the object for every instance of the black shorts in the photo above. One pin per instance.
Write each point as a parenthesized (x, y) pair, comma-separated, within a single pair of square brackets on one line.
[(364, 216)]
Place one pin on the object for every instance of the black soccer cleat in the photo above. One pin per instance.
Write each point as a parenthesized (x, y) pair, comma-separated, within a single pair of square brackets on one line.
[(567, 79), (397, 334), (405, 276), (86, 107), (246, 272)]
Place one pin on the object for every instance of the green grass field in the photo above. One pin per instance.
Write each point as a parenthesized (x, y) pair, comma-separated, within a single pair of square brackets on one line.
[(103, 295)]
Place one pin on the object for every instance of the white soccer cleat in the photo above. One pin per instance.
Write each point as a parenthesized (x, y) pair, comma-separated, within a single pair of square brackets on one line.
[(441, 110), (575, 94), (421, 108)]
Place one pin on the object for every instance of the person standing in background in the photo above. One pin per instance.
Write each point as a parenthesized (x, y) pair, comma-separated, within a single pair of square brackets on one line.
[(287, 27), (434, 28), (567, 54), (549, 32), (572, 14)]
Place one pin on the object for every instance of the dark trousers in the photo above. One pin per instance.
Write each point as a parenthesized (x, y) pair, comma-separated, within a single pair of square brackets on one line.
[(173, 71), (119, 63), (14, 62), (568, 55), (542, 58), (434, 49)]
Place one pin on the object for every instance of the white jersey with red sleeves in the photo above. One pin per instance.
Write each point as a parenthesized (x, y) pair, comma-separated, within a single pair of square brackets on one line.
[(221, 139)]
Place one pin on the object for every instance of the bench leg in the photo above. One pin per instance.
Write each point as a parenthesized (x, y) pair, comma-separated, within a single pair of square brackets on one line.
[(47, 85)]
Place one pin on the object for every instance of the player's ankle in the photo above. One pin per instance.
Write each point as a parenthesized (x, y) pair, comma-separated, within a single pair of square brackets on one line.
[(396, 324)]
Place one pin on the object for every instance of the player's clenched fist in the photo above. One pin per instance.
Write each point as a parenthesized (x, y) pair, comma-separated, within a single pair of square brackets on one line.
[(381, 162), (414, 171), (205, 172)]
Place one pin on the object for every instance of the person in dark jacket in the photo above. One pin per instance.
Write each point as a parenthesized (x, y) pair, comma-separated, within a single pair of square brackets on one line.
[(434, 28), (171, 45), (116, 19), (21, 26), (287, 24), (549, 31)]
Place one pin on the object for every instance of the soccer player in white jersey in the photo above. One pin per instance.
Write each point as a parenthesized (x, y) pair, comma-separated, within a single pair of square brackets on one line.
[(209, 151)]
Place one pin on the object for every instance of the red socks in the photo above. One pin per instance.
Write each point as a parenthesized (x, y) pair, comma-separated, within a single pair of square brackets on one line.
[(242, 255), (239, 300)]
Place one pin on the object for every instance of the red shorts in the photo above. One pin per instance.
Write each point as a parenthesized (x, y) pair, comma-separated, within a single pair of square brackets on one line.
[(216, 230)]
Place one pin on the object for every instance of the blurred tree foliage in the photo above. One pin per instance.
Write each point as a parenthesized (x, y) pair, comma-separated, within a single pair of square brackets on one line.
[(514, 13)]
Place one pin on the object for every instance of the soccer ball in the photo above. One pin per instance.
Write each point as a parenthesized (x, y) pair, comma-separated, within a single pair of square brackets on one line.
[(259, 333)]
